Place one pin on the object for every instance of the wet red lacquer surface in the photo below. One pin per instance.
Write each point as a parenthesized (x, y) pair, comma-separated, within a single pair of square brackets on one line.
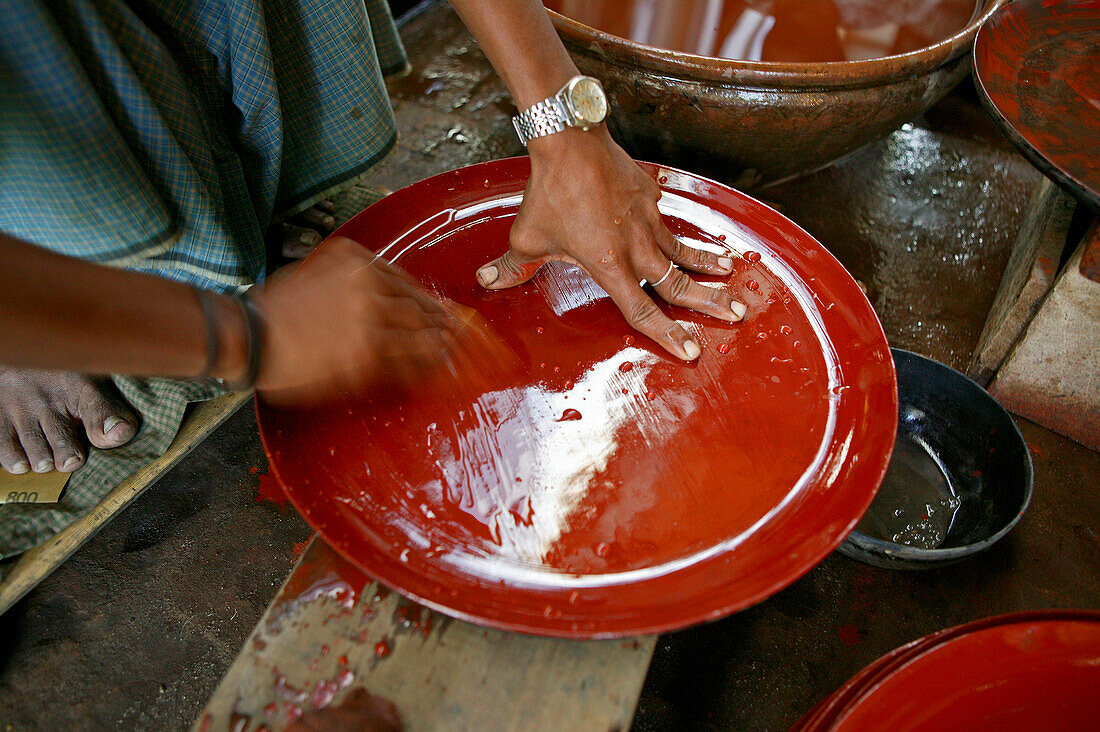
[(838, 704), (1035, 671), (601, 487), (1036, 63), (775, 30)]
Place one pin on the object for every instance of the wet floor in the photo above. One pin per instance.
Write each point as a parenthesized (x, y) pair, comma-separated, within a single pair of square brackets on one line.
[(136, 630)]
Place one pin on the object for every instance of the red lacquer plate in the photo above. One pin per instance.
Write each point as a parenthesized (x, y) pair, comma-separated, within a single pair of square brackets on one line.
[(1036, 63), (605, 489), (1029, 671), (824, 715)]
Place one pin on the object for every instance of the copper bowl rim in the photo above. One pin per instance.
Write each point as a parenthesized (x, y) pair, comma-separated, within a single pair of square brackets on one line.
[(765, 74)]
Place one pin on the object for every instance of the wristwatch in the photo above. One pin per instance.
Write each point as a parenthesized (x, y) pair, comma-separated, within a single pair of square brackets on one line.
[(580, 103)]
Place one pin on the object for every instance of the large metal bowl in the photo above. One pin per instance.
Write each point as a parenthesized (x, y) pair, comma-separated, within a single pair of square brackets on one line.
[(756, 122)]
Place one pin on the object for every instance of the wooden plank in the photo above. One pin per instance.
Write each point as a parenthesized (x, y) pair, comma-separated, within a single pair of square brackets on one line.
[(35, 565), (1029, 274), (331, 632), (1052, 375)]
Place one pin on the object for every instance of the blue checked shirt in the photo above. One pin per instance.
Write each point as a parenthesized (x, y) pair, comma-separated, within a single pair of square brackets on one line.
[(163, 135)]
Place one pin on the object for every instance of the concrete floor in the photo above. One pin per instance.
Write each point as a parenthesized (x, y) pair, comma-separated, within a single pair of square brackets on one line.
[(136, 630)]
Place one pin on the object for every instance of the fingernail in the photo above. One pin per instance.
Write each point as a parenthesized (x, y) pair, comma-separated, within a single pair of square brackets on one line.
[(738, 309), (329, 221), (725, 262), (488, 274), (43, 466), (308, 237), (20, 467), (692, 350), (110, 423), (70, 464)]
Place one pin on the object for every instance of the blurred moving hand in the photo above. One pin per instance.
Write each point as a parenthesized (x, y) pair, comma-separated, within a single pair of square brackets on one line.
[(344, 320)]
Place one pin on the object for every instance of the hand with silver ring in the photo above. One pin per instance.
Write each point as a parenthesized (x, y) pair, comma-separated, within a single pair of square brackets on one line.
[(671, 266), (589, 204)]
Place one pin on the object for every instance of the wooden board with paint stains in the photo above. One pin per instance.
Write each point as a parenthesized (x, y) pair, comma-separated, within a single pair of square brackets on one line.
[(331, 632)]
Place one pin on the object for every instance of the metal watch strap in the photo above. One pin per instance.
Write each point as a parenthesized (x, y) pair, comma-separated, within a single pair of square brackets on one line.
[(545, 118)]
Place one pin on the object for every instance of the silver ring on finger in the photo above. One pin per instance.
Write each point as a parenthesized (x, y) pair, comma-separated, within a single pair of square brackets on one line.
[(644, 282)]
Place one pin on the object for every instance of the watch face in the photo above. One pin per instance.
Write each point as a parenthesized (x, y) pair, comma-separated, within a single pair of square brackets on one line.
[(588, 101)]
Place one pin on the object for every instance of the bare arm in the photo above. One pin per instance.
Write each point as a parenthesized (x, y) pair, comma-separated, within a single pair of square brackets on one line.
[(339, 321), (64, 313), (587, 202)]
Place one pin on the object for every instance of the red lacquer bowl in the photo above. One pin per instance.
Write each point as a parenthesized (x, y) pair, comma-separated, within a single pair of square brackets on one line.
[(1037, 64), (675, 494), (1028, 671)]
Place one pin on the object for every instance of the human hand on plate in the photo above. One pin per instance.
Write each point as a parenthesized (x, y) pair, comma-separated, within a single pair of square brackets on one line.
[(343, 320), (588, 203)]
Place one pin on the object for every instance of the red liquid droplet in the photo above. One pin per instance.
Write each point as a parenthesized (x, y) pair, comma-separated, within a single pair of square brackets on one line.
[(796, 344), (650, 395), (569, 384), (752, 256), (343, 660), (624, 391), (271, 709), (324, 651), (381, 649), (602, 549), (751, 285), (540, 330), (618, 221), (542, 365), (557, 369), (785, 329), (723, 348), (569, 415), (628, 340), (762, 335), (626, 366), (663, 179), (721, 237)]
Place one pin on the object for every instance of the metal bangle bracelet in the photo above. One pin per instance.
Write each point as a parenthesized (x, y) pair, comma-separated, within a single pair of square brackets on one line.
[(644, 282), (254, 342)]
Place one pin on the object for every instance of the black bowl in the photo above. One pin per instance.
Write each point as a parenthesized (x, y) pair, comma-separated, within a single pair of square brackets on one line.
[(959, 479)]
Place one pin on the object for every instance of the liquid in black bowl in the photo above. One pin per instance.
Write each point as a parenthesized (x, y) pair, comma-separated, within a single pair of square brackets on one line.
[(960, 477)]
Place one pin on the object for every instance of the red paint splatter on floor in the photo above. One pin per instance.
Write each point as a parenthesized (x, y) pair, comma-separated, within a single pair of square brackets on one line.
[(270, 489), (849, 634), (254, 470), (381, 649)]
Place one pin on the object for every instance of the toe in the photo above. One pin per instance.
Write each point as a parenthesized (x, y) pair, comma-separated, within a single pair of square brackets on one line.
[(315, 218), (108, 420), (12, 456), (35, 446), (298, 241), (64, 443)]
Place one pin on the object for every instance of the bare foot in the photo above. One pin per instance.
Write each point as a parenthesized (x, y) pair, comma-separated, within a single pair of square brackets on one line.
[(47, 418), (301, 233)]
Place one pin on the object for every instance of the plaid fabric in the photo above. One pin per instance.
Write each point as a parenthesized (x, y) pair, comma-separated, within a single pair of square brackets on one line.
[(163, 136)]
